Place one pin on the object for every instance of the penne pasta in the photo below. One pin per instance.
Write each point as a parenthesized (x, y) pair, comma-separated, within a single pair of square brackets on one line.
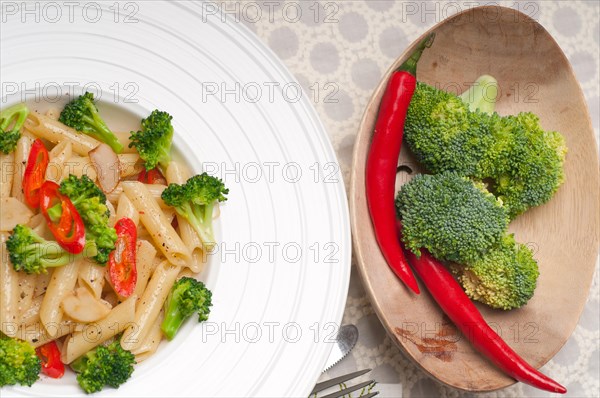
[(9, 292), (37, 334), (80, 166), (13, 212), (61, 283), (130, 164), (76, 305), (92, 275), (53, 113), (151, 342), (7, 173), (58, 157), (26, 291), (177, 174), (21, 155), (31, 314), (126, 209), (157, 223), (98, 332), (41, 283), (146, 253), (150, 305), (154, 189), (54, 131)]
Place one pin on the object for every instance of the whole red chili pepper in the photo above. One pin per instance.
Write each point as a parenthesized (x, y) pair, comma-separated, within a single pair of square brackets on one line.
[(121, 261), (383, 161), (35, 173), (460, 309), (49, 355), (62, 218)]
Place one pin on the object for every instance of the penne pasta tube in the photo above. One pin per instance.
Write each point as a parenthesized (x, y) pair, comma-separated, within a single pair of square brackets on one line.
[(13, 212), (150, 305), (157, 224), (152, 340), (21, 156), (9, 292), (154, 189), (185, 272), (177, 174), (37, 334), (41, 283), (26, 291), (61, 283), (130, 164), (126, 209), (54, 131), (7, 173), (98, 332), (53, 113), (58, 156), (31, 314), (146, 253), (79, 166), (112, 218), (91, 275)]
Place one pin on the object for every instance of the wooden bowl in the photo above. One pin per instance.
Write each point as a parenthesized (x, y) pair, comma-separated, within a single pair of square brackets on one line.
[(534, 75)]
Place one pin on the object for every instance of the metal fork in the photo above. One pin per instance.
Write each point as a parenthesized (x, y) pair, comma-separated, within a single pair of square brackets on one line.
[(346, 390)]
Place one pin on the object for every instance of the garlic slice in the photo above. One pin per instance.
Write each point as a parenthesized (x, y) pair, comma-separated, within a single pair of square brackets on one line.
[(82, 306)]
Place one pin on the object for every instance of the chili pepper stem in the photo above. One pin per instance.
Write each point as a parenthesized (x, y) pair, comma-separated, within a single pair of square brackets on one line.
[(410, 65)]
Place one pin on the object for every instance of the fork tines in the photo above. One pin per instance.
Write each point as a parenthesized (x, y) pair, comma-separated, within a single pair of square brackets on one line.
[(341, 379), (348, 390)]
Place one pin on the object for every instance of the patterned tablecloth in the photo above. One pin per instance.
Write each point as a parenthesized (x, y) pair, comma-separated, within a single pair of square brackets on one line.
[(338, 51)]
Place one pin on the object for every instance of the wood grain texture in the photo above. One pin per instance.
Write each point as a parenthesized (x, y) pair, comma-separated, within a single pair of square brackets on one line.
[(534, 75)]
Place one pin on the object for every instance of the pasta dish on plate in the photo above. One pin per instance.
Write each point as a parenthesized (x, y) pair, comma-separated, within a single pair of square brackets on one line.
[(102, 236)]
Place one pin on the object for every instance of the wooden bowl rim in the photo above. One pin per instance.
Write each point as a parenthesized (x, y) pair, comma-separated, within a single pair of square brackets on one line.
[(353, 206)]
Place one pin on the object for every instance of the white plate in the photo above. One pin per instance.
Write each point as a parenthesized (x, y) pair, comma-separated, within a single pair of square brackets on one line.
[(271, 319)]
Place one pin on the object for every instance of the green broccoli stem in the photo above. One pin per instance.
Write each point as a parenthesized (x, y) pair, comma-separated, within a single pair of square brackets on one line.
[(105, 134), (80, 363), (7, 116), (482, 94), (173, 321), (201, 221), (410, 65)]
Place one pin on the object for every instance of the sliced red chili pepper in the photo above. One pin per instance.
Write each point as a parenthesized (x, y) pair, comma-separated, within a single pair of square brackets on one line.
[(35, 173), (62, 218), (380, 172), (49, 355), (152, 176), (121, 262)]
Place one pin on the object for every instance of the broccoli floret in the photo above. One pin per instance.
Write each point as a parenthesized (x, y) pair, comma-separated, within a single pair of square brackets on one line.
[(11, 121), (505, 278), (82, 115), (33, 254), (187, 296), (90, 203), (18, 362), (153, 141), (443, 133), (195, 201), (451, 216), (111, 366), (525, 162)]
